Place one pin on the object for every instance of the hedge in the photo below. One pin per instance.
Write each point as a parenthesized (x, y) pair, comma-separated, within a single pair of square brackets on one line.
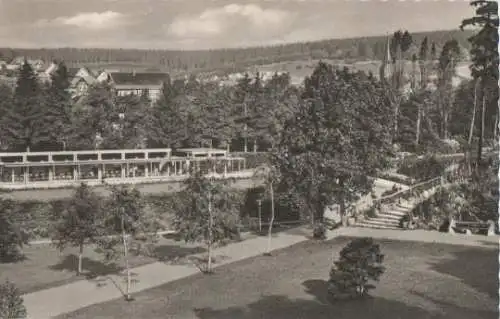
[(253, 160), (37, 218)]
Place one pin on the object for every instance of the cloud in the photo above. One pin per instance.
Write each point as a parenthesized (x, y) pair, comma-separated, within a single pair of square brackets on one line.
[(88, 20), (230, 21)]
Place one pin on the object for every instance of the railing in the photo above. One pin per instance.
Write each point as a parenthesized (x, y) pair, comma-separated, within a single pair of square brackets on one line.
[(410, 191)]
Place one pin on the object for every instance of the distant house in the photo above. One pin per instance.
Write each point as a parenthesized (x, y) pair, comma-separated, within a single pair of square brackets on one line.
[(80, 85), (136, 83), (36, 64)]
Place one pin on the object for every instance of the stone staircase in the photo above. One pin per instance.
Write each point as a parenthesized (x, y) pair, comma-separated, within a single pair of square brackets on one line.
[(395, 207), (390, 216)]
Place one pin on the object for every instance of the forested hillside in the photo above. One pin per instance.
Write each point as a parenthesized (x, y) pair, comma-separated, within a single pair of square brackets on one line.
[(369, 48)]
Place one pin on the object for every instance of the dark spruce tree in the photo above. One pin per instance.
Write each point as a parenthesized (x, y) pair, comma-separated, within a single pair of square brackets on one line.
[(58, 111), (25, 124), (6, 107), (165, 123)]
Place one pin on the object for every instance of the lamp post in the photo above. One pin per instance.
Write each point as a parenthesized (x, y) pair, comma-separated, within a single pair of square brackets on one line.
[(259, 203)]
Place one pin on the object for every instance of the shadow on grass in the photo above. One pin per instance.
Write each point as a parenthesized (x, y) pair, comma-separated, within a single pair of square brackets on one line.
[(454, 311), (172, 253), (13, 258), (475, 267), (322, 307), (91, 268), (489, 243)]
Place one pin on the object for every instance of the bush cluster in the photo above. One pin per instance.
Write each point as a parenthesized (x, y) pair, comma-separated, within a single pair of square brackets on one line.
[(11, 302), (423, 169)]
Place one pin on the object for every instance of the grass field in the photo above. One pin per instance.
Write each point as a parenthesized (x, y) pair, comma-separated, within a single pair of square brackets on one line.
[(421, 281), (45, 266), (298, 70)]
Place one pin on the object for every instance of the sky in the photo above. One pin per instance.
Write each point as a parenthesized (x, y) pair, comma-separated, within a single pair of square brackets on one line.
[(206, 24)]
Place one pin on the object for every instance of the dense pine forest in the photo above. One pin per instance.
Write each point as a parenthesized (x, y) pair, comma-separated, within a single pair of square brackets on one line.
[(368, 48)]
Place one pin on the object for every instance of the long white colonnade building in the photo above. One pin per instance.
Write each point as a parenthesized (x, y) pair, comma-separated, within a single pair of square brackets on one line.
[(58, 169)]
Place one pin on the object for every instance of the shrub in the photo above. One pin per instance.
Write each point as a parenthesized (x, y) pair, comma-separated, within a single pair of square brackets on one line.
[(424, 169), (319, 231), (359, 262), (12, 237), (11, 302), (371, 212)]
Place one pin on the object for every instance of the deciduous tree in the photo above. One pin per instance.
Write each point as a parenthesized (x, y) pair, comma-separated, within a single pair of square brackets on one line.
[(206, 211), (334, 141), (81, 222), (484, 54), (130, 222)]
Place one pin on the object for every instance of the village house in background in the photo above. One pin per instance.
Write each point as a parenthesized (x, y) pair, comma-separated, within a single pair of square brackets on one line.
[(137, 83)]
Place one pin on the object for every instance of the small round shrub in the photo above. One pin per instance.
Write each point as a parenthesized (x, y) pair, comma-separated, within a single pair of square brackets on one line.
[(11, 302), (319, 231)]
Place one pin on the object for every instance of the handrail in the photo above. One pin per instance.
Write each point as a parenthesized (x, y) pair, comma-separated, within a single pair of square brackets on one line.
[(387, 198)]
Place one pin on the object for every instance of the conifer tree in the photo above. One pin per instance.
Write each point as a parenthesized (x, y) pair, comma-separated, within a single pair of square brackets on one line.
[(58, 112), (25, 125)]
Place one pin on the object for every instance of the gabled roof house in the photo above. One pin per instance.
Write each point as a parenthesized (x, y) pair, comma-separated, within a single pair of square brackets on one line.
[(138, 83)]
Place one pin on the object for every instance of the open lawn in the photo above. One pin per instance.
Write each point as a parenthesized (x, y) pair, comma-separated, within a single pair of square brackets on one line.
[(299, 69), (45, 267), (421, 281)]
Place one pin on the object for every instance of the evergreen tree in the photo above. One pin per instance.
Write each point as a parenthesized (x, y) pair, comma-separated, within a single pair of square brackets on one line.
[(25, 125), (446, 71), (166, 123), (92, 119), (127, 123), (58, 112), (6, 108)]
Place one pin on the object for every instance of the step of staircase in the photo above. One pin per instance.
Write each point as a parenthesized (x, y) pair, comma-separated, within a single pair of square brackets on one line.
[(390, 216), (362, 225), (396, 214), (380, 222)]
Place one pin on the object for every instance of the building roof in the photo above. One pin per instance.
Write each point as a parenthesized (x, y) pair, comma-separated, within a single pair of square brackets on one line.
[(88, 79), (72, 72), (136, 78)]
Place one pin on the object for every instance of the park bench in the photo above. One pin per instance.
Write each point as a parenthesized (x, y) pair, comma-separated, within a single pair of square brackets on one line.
[(472, 227)]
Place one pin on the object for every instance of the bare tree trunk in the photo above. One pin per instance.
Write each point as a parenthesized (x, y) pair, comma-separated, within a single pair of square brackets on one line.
[(210, 225), (445, 124), (481, 134), (245, 146), (125, 255), (419, 118), (270, 229), (342, 206), (495, 128), (80, 259), (343, 212), (471, 130)]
